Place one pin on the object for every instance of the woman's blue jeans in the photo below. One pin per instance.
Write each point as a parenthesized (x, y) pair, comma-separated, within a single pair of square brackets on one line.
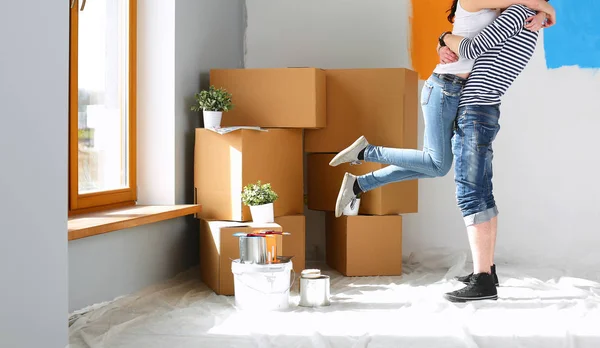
[(439, 101)]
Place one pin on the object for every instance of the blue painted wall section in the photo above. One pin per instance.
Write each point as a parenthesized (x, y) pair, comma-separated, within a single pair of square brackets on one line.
[(575, 40)]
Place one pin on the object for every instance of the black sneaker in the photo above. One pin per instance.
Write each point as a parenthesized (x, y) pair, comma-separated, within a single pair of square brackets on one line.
[(467, 279), (480, 288)]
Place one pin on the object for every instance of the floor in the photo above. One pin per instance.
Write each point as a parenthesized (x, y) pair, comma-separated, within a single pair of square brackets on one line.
[(537, 308)]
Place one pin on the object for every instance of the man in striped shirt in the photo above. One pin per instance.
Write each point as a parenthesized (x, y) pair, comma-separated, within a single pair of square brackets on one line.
[(502, 50)]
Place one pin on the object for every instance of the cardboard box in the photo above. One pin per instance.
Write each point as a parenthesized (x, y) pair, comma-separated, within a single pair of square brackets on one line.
[(324, 183), (218, 247), (224, 164), (381, 104), (279, 98), (294, 244), (365, 245)]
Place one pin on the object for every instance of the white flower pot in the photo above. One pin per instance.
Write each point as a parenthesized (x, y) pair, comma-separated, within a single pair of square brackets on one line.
[(352, 209), (262, 213), (212, 119)]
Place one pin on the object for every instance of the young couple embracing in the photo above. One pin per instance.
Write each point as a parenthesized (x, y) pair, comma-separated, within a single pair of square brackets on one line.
[(491, 43)]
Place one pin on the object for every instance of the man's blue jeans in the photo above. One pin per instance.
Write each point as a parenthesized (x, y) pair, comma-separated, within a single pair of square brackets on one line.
[(439, 101), (476, 129)]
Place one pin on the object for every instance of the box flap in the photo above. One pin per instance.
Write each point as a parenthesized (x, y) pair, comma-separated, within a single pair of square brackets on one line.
[(226, 130)]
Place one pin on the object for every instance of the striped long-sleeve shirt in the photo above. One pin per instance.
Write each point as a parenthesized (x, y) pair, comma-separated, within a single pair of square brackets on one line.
[(502, 50)]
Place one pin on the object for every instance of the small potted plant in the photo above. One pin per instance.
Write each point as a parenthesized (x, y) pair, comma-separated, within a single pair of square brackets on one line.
[(212, 102), (353, 206), (260, 197)]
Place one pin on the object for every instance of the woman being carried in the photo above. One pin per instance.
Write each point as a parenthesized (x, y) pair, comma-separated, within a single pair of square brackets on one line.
[(439, 100)]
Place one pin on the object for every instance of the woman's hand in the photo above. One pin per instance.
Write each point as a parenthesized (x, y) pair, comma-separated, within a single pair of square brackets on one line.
[(544, 6), (537, 22), (446, 55), (550, 19)]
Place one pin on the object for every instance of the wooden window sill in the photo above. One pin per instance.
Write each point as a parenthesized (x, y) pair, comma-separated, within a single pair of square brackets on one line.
[(87, 225)]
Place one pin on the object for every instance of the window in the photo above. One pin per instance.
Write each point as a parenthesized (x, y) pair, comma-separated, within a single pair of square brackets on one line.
[(102, 105)]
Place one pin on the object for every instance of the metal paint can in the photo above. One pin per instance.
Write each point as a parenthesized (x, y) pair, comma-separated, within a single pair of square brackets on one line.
[(253, 250), (314, 292)]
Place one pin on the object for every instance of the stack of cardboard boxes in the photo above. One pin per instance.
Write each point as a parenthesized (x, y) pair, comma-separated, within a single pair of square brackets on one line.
[(283, 102), (380, 104), (333, 107)]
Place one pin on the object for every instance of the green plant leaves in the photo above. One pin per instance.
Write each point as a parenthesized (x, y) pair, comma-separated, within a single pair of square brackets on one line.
[(213, 99), (257, 194)]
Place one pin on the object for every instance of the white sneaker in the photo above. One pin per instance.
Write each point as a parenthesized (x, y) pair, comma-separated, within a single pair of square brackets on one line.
[(350, 154), (346, 194)]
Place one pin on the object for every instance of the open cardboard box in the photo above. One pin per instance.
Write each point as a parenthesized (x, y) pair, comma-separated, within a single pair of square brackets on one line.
[(225, 163)]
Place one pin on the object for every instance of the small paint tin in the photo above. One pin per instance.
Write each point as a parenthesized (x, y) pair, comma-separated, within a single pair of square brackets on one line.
[(314, 290)]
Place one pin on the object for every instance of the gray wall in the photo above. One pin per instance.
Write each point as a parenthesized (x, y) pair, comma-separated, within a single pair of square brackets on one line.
[(331, 34), (34, 38), (208, 33), (104, 267)]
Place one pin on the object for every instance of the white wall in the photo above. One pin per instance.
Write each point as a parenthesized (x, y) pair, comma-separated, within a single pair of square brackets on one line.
[(178, 42), (156, 98), (34, 38), (545, 157)]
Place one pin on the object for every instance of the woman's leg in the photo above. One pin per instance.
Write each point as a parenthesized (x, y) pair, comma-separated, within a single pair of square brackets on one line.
[(387, 175), (439, 102), (352, 185)]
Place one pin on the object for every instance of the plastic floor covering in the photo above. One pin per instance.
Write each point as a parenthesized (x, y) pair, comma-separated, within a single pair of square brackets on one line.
[(537, 308)]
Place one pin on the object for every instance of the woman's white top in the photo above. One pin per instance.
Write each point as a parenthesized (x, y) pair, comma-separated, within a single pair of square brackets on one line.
[(467, 24)]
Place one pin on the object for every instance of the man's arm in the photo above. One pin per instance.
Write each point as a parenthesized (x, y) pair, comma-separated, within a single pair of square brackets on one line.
[(478, 5), (507, 25)]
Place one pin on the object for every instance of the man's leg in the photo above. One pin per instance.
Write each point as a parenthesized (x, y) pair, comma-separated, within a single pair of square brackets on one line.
[(493, 232), (482, 246), (482, 239), (472, 147)]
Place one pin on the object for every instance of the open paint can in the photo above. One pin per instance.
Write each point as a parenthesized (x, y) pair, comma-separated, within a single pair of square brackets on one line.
[(253, 250), (314, 290)]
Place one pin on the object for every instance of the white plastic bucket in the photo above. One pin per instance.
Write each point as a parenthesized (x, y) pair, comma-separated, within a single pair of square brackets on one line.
[(262, 287), (262, 213), (212, 119)]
